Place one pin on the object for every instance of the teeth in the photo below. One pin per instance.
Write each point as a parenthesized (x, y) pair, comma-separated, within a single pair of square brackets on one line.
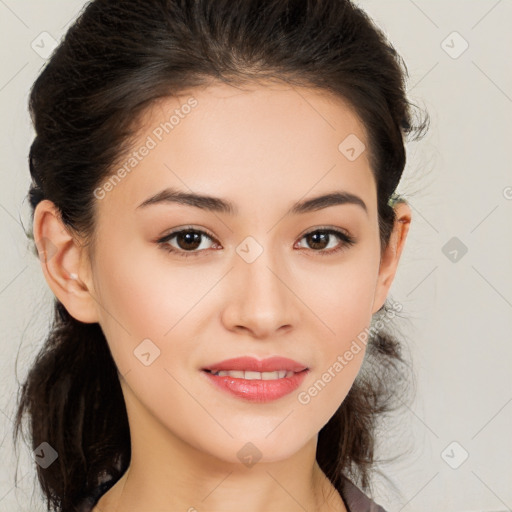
[(249, 375)]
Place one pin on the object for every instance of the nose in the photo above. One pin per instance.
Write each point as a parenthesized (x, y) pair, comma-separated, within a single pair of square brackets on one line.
[(261, 300)]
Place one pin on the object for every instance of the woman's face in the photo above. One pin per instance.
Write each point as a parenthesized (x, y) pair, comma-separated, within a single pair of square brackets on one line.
[(261, 282)]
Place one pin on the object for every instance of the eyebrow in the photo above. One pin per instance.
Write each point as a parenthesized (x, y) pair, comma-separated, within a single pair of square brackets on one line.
[(216, 204)]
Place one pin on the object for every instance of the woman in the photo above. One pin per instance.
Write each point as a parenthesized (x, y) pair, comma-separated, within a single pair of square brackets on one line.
[(214, 209)]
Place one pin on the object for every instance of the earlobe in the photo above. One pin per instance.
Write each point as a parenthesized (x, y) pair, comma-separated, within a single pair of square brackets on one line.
[(61, 254), (391, 254)]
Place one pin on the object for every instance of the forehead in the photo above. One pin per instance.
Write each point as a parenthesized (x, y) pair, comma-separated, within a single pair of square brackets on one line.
[(273, 140)]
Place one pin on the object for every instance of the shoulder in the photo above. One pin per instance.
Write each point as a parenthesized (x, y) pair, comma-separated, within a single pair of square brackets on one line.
[(356, 500)]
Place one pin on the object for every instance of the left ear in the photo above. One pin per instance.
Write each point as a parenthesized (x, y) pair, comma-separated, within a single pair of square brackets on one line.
[(391, 254)]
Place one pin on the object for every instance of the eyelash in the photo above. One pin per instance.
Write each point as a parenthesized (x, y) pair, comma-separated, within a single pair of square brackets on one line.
[(346, 239)]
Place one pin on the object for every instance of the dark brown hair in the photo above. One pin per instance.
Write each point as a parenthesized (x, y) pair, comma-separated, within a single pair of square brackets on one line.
[(116, 59)]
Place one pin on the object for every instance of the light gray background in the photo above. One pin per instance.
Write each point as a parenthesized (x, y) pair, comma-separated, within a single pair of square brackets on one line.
[(459, 306)]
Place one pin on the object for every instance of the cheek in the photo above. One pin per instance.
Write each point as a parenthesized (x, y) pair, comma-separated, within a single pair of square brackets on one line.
[(142, 295), (341, 294), (342, 299)]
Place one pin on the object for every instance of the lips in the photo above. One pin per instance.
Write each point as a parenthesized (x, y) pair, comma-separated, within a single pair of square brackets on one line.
[(257, 387), (251, 364)]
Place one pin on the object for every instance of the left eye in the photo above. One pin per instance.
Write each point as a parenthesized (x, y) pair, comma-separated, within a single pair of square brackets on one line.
[(318, 238), (190, 244)]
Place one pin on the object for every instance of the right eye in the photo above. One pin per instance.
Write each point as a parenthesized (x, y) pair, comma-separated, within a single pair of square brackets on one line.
[(188, 241)]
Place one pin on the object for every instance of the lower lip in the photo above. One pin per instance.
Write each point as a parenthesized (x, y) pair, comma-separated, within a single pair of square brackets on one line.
[(258, 390)]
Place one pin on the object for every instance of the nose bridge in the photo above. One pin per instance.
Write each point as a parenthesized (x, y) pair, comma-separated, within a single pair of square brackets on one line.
[(258, 268), (262, 301)]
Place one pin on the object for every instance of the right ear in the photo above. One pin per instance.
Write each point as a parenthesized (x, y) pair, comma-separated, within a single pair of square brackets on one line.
[(64, 262)]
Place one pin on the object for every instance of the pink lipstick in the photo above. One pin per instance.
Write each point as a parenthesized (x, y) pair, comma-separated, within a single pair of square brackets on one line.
[(257, 380)]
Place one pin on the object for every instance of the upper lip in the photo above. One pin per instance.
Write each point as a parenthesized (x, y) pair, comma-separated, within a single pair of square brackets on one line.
[(248, 363)]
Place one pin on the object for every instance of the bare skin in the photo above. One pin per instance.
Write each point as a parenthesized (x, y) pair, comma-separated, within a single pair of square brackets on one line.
[(330, 501), (263, 149)]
